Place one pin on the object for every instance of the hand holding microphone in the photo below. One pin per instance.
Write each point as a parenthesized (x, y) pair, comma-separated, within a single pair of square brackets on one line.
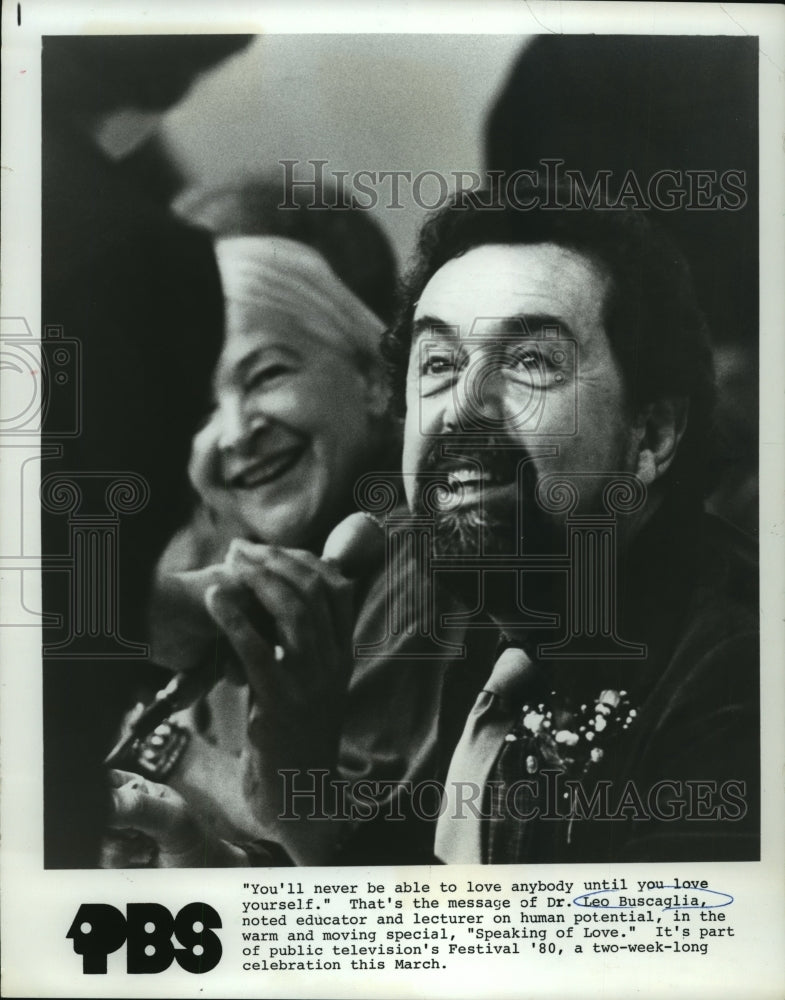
[(288, 616)]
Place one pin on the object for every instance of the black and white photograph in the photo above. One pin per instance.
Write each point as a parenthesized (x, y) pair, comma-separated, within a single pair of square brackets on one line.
[(393, 455)]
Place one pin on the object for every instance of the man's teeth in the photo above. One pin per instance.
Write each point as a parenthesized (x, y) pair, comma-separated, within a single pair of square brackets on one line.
[(465, 476)]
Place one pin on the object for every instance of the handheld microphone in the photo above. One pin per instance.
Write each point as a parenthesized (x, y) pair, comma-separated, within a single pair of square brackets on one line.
[(353, 546)]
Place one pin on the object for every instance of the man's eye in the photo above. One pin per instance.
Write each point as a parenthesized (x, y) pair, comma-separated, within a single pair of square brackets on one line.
[(526, 360), (438, 365)]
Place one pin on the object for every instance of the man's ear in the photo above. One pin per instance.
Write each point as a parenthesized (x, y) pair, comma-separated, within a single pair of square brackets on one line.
[(661, 426)]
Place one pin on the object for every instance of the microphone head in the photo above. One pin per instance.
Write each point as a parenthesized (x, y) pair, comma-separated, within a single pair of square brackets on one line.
[(356, 545)]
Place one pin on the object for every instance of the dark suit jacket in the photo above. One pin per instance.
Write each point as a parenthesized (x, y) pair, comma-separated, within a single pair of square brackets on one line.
[(671, 771)]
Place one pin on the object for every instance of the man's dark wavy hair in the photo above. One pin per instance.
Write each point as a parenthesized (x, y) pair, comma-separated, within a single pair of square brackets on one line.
[(656, 329)]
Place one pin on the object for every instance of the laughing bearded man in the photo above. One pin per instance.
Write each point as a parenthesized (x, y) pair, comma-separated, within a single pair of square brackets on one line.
[(557, 380)]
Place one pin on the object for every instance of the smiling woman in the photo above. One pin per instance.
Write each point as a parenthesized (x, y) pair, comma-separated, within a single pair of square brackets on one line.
[(300, 402), (299, 415)]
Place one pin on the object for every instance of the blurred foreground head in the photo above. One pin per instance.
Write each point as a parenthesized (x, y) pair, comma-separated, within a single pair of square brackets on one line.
[(99, 73)]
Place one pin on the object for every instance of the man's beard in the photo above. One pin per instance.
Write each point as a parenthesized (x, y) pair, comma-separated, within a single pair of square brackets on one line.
[(497, 515)]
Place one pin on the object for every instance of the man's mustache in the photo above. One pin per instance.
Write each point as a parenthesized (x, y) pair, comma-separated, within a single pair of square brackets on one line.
[(499, 456), (494, 519)]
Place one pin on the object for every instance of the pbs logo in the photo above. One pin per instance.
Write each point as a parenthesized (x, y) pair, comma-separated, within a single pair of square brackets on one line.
[(153, 937)]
